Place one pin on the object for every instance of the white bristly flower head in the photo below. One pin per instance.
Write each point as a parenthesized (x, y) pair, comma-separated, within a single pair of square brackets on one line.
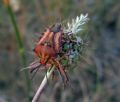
[(76, 25)]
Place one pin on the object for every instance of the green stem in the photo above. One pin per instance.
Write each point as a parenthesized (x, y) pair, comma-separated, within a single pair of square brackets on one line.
[(21, 48)]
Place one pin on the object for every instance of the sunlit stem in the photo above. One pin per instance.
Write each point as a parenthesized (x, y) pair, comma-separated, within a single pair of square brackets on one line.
[(43, 84)]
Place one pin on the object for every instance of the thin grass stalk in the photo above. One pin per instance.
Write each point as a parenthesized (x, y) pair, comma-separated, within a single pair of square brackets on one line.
[(20, 45)]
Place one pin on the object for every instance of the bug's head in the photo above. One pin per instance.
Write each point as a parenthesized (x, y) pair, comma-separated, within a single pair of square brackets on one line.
[(37, 50), (56, 28)]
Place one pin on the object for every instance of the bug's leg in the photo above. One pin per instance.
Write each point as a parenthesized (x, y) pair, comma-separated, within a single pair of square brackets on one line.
[(60, 68), (34, 73), (53, 75), (70, 81), (61, 75), (34, 65), (45, 37), (36, 70), (54, 62)]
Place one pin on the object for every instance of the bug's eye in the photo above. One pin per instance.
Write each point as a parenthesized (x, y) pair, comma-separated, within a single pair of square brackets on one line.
[(33, 50), (41, 44)]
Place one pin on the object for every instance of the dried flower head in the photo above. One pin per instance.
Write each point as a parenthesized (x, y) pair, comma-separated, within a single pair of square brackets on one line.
[(58, 45), (76, 25)]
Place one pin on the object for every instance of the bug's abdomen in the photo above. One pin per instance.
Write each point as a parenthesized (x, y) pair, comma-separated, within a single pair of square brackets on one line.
[(57, 41)]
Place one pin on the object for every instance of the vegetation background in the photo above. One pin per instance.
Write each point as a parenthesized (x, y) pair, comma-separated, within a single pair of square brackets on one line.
[(96, 77)]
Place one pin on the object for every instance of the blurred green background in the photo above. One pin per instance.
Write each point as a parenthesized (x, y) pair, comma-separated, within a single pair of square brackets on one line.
[(96, 77)]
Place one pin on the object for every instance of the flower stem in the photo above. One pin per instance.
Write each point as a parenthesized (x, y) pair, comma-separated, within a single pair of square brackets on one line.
[(42, 85)]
